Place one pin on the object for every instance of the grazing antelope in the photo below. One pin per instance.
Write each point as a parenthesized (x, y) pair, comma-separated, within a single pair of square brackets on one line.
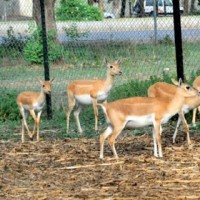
[(32, 103), (162, 89), (196, 84), (140, 112), (87, 92)]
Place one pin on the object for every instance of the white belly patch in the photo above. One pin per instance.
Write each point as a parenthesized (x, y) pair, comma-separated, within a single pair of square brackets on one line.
[(166, 119), (36, 106), (87, 100), (84, 99), (139, 121)]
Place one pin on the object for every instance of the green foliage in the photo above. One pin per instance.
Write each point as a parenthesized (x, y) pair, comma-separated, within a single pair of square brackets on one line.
[(136, 87), (8, 105), (73, 33), (77, 10), (33, 51), (166, 40)]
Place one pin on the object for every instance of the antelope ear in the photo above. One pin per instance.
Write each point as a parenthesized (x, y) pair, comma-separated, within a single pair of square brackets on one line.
[(106, 61), (175, 82), (118, 61), (52, 80), (180, 81), (40, 81)]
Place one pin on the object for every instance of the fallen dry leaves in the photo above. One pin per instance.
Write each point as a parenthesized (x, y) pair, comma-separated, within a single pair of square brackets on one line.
[(70, 169)]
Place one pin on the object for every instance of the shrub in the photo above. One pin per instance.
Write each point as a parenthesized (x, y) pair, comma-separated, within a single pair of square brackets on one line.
[(33, 51), (73, 33), (136, 87), (166, 40), (13, 41), (8, 105), (77, 10)]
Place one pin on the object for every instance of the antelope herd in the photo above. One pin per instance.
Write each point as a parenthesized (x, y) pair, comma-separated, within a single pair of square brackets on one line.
[(164, 100)]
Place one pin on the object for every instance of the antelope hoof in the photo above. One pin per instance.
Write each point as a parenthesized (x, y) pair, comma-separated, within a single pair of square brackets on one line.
[(30, 135), (194, 124)]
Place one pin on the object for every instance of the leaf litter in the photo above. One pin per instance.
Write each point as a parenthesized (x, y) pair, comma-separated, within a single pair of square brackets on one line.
[(71, 169)]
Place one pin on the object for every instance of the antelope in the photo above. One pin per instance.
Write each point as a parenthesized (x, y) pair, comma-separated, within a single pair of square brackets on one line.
[(30, 102), (196, 84), (142, 111), (87, 92), (162, 89)]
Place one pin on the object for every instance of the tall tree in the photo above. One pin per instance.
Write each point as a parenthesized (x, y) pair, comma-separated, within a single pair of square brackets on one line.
[(49, 13), (141, 2), (123, 8), (90, 2), (116, 8), (101, 5), (186, 7), (192, 9)]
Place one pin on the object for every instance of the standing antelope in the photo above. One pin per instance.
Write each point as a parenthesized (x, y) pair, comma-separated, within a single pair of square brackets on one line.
[(161, 89), (87, 92), (140, 112), (32, 103), (196, 84)]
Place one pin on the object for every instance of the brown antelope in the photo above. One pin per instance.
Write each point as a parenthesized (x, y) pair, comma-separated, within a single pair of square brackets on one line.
[(161, 89), (196, 84), (87, 92), (32, 103), (140, 112)]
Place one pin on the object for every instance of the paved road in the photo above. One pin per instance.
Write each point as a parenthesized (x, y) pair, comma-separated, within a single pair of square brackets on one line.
[(136, 36), (136, 29)]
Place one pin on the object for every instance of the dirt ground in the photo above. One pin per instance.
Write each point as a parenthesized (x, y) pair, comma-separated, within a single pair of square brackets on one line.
[(71, 169)]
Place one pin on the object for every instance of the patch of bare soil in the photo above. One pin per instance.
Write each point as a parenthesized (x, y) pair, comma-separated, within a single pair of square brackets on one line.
[(70, 169)]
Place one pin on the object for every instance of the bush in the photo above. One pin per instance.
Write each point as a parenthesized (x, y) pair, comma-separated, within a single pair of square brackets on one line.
[(136, 87), (77, 10), (33, 51), (73, 33), (8, 106), (13, 41)]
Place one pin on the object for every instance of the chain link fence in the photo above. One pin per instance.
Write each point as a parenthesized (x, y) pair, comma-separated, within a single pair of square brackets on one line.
[(144, 43)]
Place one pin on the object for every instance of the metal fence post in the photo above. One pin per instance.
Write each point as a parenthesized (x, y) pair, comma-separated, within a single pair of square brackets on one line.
[(45, 56), (178, 39), (155, 12)]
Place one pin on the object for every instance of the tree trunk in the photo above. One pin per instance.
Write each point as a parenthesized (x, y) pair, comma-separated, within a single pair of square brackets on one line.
[(192, 6), (186, 7), (49, 14), (141, 2), (90, 2), (123, 8), (116, 8), (101, 5)]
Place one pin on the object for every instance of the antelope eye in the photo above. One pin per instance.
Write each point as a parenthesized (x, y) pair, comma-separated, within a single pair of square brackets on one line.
[(43, 85), (187, 87), (111, 67)]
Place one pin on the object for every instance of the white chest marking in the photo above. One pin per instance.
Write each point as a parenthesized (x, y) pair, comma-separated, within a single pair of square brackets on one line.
[(185, 109), (39, 105), (102, 95)]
